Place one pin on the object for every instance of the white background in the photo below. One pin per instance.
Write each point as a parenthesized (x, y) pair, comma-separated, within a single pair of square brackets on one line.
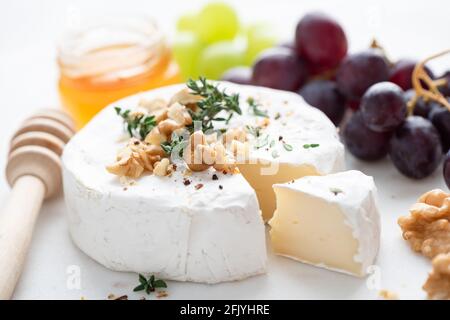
[(29, 31)]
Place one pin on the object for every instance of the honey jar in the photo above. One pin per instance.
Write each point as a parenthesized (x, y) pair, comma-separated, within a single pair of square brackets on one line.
[(106, 61)]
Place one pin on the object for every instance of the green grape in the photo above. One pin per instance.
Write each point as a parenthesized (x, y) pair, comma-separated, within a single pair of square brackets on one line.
[(186, 49), (260, 36), (219, 57), (187, 22), (217, 21)]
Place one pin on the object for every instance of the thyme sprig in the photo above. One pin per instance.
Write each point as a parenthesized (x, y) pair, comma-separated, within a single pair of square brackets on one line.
[(255, 108), (149, 285), (214, 101), (136, 125)]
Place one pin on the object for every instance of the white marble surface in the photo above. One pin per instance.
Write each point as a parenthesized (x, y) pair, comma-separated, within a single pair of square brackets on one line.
[(28, 75)]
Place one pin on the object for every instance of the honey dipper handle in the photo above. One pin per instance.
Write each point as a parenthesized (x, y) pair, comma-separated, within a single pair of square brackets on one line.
[(17, 221)]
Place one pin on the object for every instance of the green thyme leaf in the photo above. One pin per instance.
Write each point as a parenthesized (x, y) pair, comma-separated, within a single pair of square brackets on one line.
[(137, 126), (160, 284), (142, 279), (262, 142), (288, 147), (312, 145), (254, 131), (272, 144), (255, 108), (139, 287)]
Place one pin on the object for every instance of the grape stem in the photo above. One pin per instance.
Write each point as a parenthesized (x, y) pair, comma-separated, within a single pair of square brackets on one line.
[(376, 45), (420, 76)]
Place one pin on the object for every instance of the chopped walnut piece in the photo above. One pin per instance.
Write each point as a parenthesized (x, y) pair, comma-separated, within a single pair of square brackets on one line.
[(208, 154), (166, 127), (186, 98), (155, 137), (127, 164), (155, 107), (437, 285), (223, 162), (160, 115), (264, 122), (194, 153), (199, 155), (233, 134), (135, 158), (179, 113), (162, 168), (388, 295), (427, 228), (162, 294)]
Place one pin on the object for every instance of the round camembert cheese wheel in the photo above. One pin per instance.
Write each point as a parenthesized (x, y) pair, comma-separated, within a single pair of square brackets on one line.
[(203, 226)]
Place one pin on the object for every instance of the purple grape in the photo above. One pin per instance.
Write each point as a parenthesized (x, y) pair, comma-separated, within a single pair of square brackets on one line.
[(440, 117), (279, 68), (359, 71), (415, 148), (383, 107), (364, 143), (421, 107), (324, 95), (401, 73), (445, 89), (447, 169), (321, 41), (353, 104), (240, 75)]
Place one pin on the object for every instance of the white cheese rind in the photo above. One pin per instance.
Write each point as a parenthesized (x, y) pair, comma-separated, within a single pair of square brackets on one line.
[(205, 240), (357, 200), (177, 232)]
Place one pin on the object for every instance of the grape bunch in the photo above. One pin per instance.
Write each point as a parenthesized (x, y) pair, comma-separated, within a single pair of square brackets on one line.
[(415, 144), (317, 66), (213, 40)]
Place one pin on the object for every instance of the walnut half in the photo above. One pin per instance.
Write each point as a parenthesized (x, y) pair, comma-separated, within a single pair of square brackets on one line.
[(427, 228), (438, 282)]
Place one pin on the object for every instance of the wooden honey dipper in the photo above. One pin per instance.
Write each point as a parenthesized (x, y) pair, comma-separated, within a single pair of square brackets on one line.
[(34, 174)]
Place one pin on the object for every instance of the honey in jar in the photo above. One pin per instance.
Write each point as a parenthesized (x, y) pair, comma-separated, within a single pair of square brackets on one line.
[(108, 61)]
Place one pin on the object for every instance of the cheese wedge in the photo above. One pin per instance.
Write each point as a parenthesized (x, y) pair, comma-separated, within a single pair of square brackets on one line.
[(297, 140), (329, 221)]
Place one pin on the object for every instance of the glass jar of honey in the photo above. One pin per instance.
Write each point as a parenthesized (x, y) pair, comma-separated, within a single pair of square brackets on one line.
[(106, 61)]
